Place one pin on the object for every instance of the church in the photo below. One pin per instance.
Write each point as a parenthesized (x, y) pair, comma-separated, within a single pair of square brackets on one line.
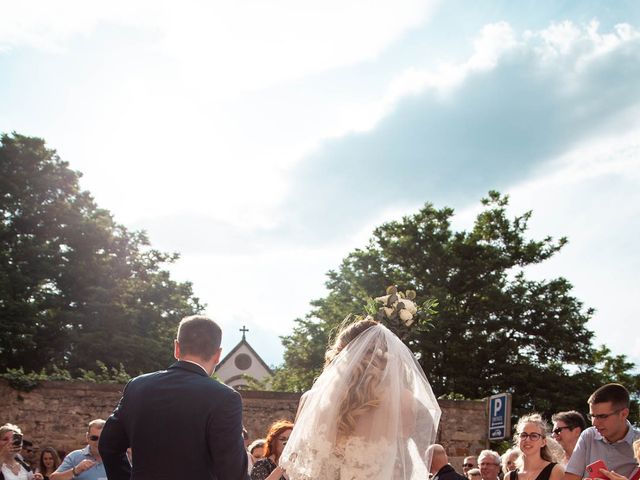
[(243, 362)]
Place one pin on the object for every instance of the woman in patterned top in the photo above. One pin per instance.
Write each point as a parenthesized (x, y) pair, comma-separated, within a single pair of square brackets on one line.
[(268, 468)]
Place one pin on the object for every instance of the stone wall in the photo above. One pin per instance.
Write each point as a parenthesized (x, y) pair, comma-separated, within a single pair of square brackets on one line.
[(463, 429), (56, 414)]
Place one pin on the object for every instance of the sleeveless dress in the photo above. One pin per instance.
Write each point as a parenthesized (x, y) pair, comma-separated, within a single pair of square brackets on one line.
[(545, 474)]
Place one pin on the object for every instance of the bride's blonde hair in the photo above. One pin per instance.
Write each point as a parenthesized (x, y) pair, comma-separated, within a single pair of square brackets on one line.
[(363, 389)]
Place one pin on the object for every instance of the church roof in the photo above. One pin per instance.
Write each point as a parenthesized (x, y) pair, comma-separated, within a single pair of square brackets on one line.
[(253, 352)]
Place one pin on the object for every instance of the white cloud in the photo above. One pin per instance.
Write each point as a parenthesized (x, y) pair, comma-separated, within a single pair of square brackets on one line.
[(223, 48), (565, 48)]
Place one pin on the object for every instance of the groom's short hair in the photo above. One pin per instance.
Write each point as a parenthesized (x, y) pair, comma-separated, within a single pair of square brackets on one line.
[(199, 335)]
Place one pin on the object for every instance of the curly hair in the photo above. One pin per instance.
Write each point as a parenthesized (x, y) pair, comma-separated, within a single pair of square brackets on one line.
[(363, 390), (347, 332), (275, 430)]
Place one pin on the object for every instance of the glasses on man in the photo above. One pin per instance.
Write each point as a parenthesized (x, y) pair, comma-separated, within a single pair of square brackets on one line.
[(468, 465), (531, 436), (94, 438), (602, 416), (557, 431)]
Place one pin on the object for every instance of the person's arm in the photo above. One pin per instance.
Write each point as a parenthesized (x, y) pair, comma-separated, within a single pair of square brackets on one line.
[(610, 474), (113, 445), (571, 476), (67, 470), (557, 472), (276, 474), (224, 430)]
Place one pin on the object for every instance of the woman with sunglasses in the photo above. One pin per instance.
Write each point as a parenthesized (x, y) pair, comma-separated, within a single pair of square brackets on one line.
[(268, 468), (536, 461)]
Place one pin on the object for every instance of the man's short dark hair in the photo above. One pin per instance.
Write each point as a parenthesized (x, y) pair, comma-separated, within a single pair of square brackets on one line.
[(571, 419), (199, 335), (611, 392)]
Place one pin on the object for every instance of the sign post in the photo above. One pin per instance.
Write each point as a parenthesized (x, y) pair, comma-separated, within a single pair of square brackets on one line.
[(500, 416)]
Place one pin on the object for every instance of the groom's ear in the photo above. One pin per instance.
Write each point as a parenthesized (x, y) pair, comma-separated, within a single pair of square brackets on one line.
[(216, 357), (176, 349)]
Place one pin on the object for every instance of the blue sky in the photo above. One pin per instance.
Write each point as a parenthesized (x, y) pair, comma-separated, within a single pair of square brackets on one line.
[(265, 141)]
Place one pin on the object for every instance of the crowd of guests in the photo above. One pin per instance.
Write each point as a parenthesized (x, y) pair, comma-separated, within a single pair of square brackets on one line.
[(566, 450), (563, 451)]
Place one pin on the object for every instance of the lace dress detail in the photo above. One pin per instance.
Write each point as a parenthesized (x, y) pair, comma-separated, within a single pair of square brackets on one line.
[(355, 458)]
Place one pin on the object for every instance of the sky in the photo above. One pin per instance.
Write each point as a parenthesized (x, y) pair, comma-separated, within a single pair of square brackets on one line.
[(264, 141)]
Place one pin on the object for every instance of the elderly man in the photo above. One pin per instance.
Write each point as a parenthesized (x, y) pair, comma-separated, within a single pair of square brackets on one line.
[(489, 463), (84, 464), (440, 467), (468, 464), (611, 437), (567, 427)]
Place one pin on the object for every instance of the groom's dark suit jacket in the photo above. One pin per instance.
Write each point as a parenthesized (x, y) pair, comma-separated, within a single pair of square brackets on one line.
[(180, 424)]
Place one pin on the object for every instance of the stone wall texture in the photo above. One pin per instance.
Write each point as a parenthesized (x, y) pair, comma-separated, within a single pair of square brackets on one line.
[(57, 413)]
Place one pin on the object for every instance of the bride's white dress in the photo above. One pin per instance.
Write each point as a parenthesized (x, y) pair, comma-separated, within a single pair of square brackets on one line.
[(388, 440), (351, 459)]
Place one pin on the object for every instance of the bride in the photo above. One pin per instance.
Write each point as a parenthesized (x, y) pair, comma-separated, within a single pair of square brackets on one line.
[(369, 416)]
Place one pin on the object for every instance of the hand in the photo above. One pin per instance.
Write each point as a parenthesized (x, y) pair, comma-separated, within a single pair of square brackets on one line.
[(84, 465), (610, 474), (37, 476)]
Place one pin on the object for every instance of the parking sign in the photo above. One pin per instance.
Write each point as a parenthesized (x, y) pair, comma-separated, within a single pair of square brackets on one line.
[(499, 416)]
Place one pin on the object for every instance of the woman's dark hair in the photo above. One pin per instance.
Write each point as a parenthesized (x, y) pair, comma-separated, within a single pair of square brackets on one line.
[(572, 419), (56, 459), (611, 392)]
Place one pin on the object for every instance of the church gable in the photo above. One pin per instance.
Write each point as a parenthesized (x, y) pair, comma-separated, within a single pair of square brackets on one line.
[(242, 360)]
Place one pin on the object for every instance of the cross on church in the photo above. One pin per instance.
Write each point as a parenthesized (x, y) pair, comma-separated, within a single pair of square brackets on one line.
[(244, 330)]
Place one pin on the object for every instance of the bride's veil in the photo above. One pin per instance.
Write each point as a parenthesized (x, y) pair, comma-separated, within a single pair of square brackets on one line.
[(370, 415)]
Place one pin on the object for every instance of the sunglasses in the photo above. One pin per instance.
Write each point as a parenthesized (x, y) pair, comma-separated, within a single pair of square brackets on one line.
[(468, 465), (94, 438), (557, 431)]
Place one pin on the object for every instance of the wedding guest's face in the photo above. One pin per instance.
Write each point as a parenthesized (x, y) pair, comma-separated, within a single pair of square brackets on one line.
[(6, 438), (282, 440), (565, 436), (489, 467), (47, 459), (511, 462), (257, 452), (93, 437), (469, 463), (531, 438)]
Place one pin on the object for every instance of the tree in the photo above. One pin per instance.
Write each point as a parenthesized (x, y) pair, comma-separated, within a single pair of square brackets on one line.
[(75, 286), (494, 330)]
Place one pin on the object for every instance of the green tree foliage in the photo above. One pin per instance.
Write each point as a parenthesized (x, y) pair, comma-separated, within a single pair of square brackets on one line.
[(494, 329), (75, 286)]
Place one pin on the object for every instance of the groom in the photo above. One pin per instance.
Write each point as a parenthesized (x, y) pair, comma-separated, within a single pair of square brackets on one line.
[(179, 422)]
